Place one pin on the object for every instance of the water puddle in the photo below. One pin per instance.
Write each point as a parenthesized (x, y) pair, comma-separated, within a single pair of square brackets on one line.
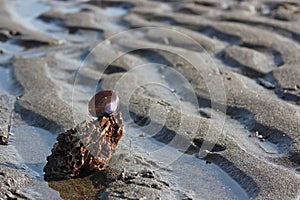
[(4, 81), (67, 9), (34, 145), (30, 9), (9, 48), (115, 11), (28, 12)]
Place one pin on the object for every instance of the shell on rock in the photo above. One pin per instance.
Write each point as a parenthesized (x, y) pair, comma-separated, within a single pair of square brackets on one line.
[(85, 149), (105, 102)]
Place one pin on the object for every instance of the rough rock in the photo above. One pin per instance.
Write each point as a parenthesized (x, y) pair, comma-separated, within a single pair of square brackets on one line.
[(85, 149)]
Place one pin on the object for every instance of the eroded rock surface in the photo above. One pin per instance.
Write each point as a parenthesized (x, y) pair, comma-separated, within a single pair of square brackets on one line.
[(85, 149)]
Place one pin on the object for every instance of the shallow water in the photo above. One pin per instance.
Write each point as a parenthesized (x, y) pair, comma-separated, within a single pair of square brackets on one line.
[(4, 83), (30, 9), (115, 11), (34, 145), (10, 48)]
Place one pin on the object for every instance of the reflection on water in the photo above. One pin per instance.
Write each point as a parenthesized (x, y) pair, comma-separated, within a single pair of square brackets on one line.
[(115, 11), (9, 48), (30, 9), (4, 82), (33, 145)]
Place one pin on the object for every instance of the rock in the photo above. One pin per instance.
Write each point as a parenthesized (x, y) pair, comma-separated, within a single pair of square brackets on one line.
[(85, 149)]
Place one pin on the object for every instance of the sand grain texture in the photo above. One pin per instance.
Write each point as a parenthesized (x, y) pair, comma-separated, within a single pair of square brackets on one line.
[(165, 100)]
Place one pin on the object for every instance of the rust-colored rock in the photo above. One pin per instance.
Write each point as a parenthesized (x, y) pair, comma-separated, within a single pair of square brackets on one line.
[(85, 149)]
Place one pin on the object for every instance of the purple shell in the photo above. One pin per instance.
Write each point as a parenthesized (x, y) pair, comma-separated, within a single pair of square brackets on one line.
[(103, 103)]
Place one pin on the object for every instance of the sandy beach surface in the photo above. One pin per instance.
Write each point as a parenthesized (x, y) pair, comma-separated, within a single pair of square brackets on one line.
[(209, 91)]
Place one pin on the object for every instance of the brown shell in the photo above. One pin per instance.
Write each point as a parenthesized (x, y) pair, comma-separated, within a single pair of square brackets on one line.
[(85, 149), (105, 102)]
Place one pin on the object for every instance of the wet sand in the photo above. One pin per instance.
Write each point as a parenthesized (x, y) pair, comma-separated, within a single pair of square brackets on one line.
[(209, 93)]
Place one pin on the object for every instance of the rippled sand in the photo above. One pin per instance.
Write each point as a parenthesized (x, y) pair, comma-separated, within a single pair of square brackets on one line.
[(209, 93)]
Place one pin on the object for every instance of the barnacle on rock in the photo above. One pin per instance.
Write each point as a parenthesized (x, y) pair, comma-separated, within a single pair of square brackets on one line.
[(85, 149)]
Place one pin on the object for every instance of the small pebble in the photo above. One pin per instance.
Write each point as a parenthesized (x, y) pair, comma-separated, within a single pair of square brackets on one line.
[(123, 174), (142, 135), (10, 182), (179, 64)]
